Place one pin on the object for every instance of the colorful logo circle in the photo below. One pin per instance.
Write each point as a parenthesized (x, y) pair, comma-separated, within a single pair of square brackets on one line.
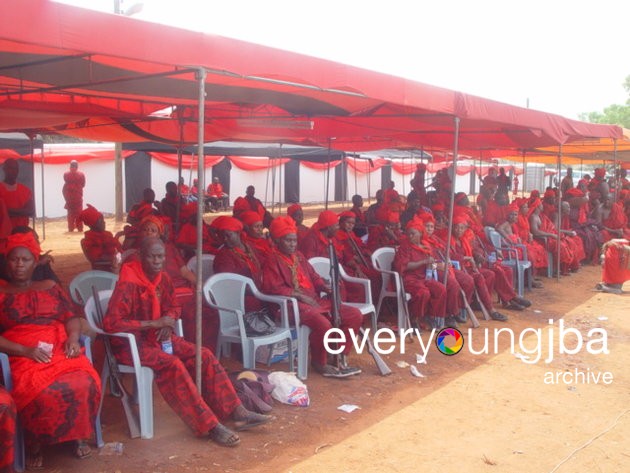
[(449, 341)]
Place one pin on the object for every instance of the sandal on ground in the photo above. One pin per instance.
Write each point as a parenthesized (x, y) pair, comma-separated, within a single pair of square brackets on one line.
[(250, 420), (522, 301), (82, 450), (34, 459), (498, 316), (224, 436)]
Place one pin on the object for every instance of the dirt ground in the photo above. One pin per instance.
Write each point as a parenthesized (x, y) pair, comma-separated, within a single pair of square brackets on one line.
[(472, 413)]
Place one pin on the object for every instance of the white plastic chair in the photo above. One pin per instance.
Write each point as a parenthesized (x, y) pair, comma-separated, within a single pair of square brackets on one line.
[(207, 266), (81, 286), (143, 374), (382, 260), (226, 293), (19, 462), (511, 259), (322, 267)]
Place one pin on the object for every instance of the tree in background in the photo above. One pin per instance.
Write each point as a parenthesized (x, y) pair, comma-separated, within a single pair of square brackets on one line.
[(614, 114)]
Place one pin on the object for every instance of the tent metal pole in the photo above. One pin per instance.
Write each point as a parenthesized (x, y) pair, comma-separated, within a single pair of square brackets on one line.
[(43, 199), (452, 203), (616, 174), (524, 177), (327, 177), (201, 157), (179, 175), (356, 190), (559, 213)]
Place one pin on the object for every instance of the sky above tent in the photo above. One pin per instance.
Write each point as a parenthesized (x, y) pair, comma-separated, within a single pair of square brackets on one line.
[(565, 57)]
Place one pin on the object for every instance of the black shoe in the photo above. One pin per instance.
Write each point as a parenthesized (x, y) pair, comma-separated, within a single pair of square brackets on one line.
[(522, 301), (513, 305), (461, 318), (450, 321), (498, 316), (436, 322), (349, 371)]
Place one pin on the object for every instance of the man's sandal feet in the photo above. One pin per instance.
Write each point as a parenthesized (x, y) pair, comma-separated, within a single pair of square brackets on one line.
[(82, 450), (513, 305), (330, 371), (252, 419), (522, 301), (498, 316), (224, 436)]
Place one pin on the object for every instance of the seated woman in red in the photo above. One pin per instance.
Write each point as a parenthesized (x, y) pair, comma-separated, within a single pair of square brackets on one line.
[(99, 246), (253, 234), (56, 390)]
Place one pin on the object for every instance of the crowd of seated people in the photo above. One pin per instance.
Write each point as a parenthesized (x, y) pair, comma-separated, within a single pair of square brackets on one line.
[(156, 287)]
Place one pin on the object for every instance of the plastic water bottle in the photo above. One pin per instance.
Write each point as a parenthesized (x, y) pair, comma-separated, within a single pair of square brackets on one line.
[(429, 273), (167, 346), (434, 271), (492, 258)]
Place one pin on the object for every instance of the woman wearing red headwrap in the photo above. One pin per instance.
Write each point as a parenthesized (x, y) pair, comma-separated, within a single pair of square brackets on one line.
[(288, 273), (253, 233), (187, 238), (56, 390), (462, 242), (355, 258), (464, 280), (616, 265), (413, 258), (315, 242), (237, 256), (99, 246), (296, 213), (387, 232)]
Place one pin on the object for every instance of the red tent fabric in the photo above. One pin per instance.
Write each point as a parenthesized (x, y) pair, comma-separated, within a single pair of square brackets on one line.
[(106, 76)]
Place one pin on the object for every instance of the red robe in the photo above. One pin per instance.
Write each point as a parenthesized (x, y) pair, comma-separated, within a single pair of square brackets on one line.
[(536, 252), (100, 248), (57, 401), (378, 237), (617, 220), (215, 190), (7, 430), (188, 236), (262, 246), (15, 199), (244, 262), (567, 255), (494, 214), (74, 182), (428, 297), (135, 299), (283, 275), (616, 268), (353, 265)]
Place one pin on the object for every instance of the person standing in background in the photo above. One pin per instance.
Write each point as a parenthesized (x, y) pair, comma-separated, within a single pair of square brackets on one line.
[(17, 197), (74, 182)]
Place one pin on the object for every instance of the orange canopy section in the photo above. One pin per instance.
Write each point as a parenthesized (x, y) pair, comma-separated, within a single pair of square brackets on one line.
[(108, 77)]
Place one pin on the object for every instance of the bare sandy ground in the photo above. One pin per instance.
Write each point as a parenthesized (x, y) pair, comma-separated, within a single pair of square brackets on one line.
[(472, 413)]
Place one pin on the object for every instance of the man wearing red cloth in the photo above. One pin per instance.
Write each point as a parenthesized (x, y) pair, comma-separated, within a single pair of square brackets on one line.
[(144, 304), (462, 251), (217, 195), (99, 246), (387, 232), (360, 226), (616, 266), (296, 213), (544, 229), (288, 273), (253, 233), (613, 220), (255, 205), (17, 197), (74, 182), (315, 243), (187, 238)]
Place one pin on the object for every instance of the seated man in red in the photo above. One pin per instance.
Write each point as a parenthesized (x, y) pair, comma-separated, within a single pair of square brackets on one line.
[(249, 202), (360, 226), (187, 238), (615, 258), (143, 303), (253, 234), (217, 196), (99, 246), (315, 243), (387, 233), (296, 213), (288, 273)]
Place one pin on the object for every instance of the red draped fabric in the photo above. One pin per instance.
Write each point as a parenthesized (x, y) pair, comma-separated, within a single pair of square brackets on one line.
[(616, 268), (320, 166)]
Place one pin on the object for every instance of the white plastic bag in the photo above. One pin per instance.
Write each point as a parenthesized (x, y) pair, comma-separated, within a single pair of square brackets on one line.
[(289, 389)]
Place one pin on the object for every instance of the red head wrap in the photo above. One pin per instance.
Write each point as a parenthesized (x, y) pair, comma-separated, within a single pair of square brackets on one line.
[(535, 203), (549, 193), (23, 240), (392, 217), (327, 219), (574, 192), (282, 226), (347, 214), (439, 207), (188, 210), (90, 215), (460, 196), (457, 219), (249, 218), (513, 207), (155, 220), (293, 208), (600, 173), (240, 205), (534, 194), (226, 223), (426, 217), (416, 223)]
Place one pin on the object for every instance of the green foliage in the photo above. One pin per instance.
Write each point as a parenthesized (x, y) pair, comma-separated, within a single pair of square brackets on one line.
[(614, 114)]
